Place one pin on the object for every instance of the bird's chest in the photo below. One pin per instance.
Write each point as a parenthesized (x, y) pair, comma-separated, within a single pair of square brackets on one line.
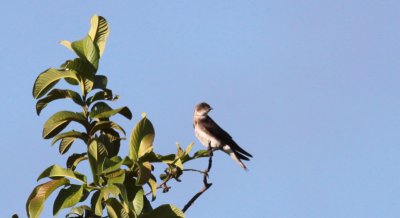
[(206, 139)]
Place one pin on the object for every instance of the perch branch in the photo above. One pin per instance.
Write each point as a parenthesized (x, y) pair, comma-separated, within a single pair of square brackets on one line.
[(206, 184)]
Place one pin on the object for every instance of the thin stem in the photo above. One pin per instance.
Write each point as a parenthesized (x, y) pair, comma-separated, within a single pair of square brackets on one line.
[(205, 183)]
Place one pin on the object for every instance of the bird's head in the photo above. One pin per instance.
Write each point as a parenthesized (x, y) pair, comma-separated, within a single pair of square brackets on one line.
[(202, 109)]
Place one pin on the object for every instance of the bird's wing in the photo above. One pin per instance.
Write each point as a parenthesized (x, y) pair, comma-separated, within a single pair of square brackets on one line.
[(213, 129)]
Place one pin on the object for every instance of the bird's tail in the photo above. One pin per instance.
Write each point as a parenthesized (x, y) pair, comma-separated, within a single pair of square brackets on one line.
[(234, 156)]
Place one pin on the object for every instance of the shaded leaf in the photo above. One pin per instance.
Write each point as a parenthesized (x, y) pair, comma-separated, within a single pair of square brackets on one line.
[(58, 94), (101, 95), (60, 120), (102, 110), (71, 134), (74, 160), (40, 193), (100, 82), (144, 173), (104, 125), (56, 171), (67, 198), (49, 78), (142, 138), (111, 140)]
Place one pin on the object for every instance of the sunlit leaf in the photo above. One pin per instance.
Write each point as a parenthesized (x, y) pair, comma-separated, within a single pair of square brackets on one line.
[(112, 164), (35, 202), (49, 78), (153, 186), (144, 173), (58, 94), (56, 171), (115, 209), (138, 201), (87, 50), (67, 197), (97, 153), (141, 139), (164, 211), (80, 211), (96, 200), (99, 32)]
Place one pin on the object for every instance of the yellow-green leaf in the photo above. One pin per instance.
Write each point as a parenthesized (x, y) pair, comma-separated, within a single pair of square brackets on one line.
[(142, 138), (99, 32), (49, 78), (56, 171), (35, 203), (67, 198)]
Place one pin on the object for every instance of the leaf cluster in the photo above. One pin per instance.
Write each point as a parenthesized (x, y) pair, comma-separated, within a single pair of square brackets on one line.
[(116, 184)]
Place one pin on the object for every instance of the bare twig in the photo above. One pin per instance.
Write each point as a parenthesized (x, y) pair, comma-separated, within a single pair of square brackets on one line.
[(205, 182)]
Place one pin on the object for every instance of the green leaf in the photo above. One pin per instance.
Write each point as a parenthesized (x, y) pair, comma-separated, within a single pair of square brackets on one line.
[(101, 95), (70, 134), (87, 50), (66, 144), (111, 140), (138, 202), (82, 66), (80, 211), (112, 164), (96, 203), (142, 138), (104, 125), (58, 94), (67, 44), (75, 159), (153, 186), (101, 110), (100, 82), (67, 198), (56, 171), (99, 32), (40, 193), (56, 123), (115, 177), (153, 157), (68, 138), (49, 78), (165, 211), (115, 209), (144, 173), (97, 153)]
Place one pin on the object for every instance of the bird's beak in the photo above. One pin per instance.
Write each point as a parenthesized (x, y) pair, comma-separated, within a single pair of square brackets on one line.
[(211, 108)]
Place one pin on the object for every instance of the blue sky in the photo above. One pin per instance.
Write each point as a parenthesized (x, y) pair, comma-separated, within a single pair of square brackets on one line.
[(310, 88)]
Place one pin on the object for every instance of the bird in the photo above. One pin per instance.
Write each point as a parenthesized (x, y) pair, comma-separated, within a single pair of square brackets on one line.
[(211, 135)]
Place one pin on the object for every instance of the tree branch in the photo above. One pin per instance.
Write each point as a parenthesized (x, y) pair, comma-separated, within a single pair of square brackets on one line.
[(205, 182)]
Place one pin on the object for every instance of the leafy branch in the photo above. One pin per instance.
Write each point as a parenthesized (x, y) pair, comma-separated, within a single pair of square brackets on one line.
[(116, 183)]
